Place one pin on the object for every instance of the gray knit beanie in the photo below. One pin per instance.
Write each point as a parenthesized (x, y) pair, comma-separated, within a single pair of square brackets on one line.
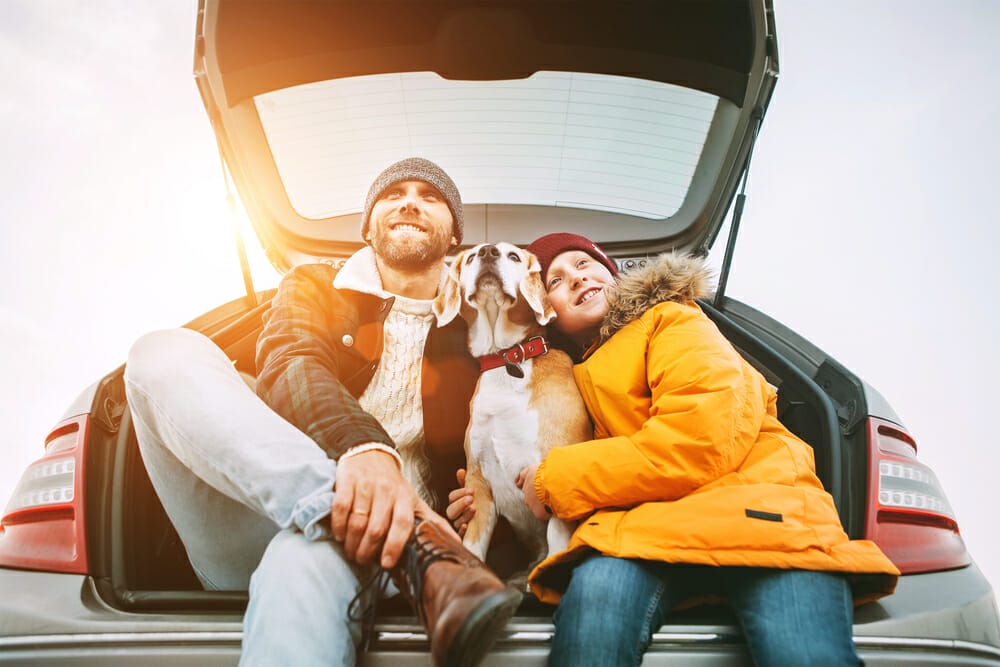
[(417, 169)]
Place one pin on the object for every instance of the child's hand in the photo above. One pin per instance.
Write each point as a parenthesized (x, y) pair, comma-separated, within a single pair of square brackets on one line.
[(460, 508), (526, 482)]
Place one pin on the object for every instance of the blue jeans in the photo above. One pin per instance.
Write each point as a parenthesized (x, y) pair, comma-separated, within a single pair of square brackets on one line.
[(789, 617), (250, 497)]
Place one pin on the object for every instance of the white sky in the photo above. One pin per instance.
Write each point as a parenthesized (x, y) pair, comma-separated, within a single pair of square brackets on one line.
[(870, 226)]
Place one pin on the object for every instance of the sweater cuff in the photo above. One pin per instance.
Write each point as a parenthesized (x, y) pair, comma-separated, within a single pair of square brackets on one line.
[(372, 447)]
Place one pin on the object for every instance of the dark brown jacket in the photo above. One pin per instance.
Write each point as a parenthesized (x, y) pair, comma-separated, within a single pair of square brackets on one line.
[(320, 348)]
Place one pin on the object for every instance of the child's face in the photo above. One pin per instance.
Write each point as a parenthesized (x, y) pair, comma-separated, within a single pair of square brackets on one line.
[(575, 284)]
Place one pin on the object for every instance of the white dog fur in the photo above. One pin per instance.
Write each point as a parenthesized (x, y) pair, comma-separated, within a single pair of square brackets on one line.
[(514, 421)]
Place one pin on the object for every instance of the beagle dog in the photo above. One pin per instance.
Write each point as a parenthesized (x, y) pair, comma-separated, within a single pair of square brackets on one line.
[(526, 400)]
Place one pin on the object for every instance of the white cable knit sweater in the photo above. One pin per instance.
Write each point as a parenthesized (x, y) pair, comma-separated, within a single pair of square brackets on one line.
[(393, 395)]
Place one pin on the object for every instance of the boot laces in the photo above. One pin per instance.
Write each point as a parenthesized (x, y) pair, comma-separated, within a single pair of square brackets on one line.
[(364, 605), (420, 553)]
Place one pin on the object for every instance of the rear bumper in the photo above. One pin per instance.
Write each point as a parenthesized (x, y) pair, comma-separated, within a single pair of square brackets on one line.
[(528, 644), (945, 618), (524, 644)]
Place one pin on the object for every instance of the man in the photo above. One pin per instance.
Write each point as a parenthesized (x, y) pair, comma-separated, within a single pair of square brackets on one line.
[(365, 404)]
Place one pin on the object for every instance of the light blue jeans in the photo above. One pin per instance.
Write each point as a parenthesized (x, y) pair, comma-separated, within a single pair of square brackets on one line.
[(789, 617), (249, 495)]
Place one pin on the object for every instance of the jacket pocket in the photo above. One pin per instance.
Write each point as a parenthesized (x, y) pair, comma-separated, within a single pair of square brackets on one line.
[(769, 518)]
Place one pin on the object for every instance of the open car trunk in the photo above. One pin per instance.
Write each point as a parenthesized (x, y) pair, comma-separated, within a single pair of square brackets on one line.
[(146, 569)]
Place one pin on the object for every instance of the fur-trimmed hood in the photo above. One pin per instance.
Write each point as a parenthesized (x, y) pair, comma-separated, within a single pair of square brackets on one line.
[(670, 277)]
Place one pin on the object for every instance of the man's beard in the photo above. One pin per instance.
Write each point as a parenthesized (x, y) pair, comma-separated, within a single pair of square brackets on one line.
[(411, 254)]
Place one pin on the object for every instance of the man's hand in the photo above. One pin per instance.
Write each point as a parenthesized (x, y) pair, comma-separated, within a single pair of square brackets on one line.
[(372, 510), (526, 482), (460, 508)]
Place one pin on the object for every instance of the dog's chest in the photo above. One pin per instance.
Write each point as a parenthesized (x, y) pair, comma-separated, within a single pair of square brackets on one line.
[(503, 430)]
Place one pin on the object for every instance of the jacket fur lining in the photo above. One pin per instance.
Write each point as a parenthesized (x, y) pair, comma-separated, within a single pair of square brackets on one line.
[(670, 277)]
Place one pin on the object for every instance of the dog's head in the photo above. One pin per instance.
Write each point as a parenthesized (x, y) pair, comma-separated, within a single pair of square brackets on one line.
[(497, 282)]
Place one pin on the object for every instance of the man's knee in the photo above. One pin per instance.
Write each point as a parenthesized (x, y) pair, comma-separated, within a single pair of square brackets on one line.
[(162, 360), (157, 354)]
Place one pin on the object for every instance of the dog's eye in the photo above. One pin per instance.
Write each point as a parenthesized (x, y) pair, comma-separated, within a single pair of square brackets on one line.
[(514, 257), (468, 260)]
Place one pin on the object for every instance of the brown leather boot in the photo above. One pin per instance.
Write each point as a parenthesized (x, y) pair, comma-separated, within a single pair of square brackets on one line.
[(463, 605)]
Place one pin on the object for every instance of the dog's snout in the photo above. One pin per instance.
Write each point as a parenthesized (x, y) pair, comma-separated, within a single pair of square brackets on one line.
[(489, 252)]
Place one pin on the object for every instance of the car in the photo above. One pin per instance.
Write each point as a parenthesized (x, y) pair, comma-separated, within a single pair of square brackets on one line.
[(632, 123)]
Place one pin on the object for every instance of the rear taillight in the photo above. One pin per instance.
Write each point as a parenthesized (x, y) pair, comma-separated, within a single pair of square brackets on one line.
[(908, 514), (43, 527)]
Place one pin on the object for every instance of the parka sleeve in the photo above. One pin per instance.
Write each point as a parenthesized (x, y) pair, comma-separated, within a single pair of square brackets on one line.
[(298, 369), (703, 414)]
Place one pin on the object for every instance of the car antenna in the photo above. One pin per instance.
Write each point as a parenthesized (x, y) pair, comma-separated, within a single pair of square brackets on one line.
[(237, 232), (734, 226)]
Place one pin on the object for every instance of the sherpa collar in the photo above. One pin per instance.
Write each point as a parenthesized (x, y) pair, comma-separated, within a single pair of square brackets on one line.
[(360, 274)]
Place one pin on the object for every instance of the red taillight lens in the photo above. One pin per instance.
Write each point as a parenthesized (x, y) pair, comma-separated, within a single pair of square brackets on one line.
[(43, 526), (908, 514)]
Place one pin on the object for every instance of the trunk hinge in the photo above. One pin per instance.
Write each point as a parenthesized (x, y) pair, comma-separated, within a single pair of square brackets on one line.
[(237, 232), (734, 226)]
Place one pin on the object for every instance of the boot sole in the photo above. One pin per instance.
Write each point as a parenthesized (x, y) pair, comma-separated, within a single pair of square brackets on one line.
[(481, 629)]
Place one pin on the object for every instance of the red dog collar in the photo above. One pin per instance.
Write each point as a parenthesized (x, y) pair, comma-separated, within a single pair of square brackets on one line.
[(512, 357)]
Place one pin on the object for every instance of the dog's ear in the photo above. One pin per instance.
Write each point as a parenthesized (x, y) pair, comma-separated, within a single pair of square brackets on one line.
[(534, 292), (449, 297)]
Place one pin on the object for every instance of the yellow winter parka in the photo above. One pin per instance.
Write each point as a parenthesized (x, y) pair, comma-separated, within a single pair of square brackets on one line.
[(689, 463)]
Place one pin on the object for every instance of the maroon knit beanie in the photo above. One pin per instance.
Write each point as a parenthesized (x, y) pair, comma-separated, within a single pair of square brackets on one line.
[(547, 248)]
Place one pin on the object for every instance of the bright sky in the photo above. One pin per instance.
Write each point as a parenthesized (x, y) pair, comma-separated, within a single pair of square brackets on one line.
[(870, 226)]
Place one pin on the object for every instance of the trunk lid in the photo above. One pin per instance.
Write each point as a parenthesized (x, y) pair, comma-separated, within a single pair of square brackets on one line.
[(629, 122)]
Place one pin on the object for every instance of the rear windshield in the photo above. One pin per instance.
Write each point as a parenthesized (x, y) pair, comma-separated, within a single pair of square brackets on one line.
[(587, 141)]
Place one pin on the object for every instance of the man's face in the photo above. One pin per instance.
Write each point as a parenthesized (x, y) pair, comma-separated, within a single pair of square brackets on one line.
[(410, 227)]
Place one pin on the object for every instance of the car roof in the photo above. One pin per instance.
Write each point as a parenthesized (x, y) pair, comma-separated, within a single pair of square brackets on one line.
[(630, 122)]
